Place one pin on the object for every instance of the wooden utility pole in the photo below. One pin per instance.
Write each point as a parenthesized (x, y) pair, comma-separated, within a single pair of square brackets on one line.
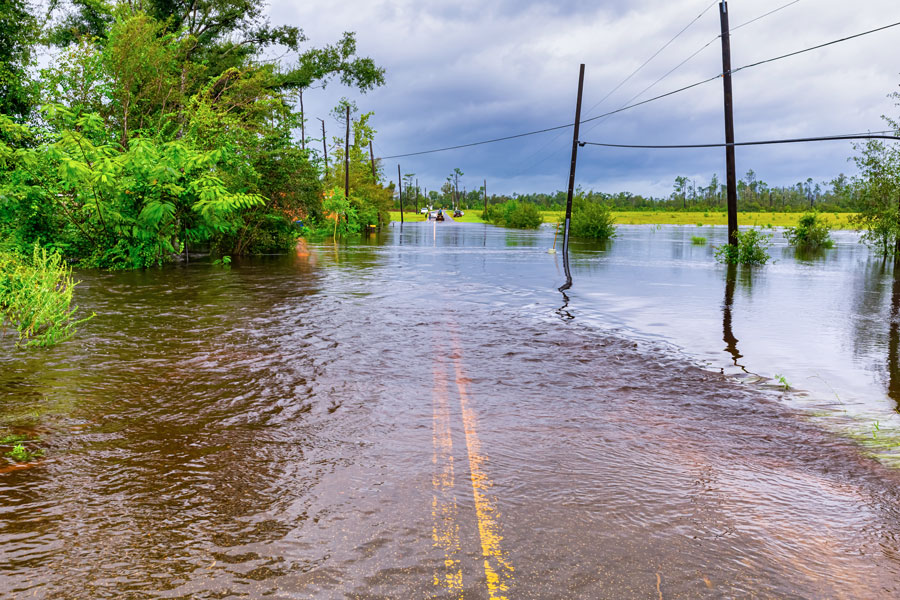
[(347, 158), (324, 147), (731, 176), (417, 196), (571, 191), (400, 192), (372, 160), (302, 123)]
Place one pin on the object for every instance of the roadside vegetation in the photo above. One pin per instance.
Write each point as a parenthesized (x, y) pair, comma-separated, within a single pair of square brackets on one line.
[(158, 129)]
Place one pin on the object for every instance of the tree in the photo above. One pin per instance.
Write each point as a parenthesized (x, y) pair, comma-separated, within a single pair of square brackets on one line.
[(878, 190), (18, 30)]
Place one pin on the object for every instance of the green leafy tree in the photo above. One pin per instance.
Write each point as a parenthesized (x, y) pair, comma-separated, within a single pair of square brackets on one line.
[(18, 31), (878, 191)]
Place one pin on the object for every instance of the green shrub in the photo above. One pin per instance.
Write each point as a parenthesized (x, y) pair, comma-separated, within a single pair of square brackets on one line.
[(698, 240), (36, 298), (810, 233), (519, 215), (750, 249), (592, 220)]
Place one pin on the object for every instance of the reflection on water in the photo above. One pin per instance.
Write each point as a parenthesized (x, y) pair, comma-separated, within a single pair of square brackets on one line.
[(727, 333), (268, 430)]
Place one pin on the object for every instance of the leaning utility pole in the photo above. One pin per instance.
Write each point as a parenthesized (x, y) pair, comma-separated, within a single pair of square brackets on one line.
[(347, 157), (731, 177), (400, 192), (302, 123), (571, 192), (324, 147), (372, 160)]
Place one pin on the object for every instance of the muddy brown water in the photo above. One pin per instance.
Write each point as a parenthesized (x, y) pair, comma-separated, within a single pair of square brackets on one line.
[(421, 415)]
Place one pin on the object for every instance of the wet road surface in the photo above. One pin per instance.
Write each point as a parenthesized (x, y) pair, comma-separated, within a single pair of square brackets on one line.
[(395, 419)]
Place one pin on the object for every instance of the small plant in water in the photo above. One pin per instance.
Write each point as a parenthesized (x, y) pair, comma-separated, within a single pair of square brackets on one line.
[(698, 240), (812, 232), (21, 454), (782, 381), (750, 249), (225, 261), (875, 429)]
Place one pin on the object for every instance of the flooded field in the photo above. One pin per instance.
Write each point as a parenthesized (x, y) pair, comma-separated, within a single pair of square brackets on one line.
[(422, 415)]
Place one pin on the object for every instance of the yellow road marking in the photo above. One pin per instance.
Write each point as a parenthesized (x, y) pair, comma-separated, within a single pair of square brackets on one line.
[(497, 569), (445, 529)]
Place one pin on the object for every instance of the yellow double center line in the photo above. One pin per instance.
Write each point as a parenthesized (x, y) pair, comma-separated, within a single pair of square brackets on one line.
[(443, 508), (498, 570)]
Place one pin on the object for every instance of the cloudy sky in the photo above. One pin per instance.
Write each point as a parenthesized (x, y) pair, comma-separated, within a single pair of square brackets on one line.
[(468, 70)]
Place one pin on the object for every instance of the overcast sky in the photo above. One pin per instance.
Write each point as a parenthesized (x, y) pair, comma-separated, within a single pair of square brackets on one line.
[(467, 70)]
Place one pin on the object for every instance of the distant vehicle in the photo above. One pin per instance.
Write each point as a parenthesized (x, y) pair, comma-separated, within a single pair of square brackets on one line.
[(440, 216), (458, 213), (424, 211)]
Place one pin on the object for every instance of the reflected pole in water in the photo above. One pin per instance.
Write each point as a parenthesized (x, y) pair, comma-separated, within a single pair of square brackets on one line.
[(727, 333), (571, 191), (563, 311)]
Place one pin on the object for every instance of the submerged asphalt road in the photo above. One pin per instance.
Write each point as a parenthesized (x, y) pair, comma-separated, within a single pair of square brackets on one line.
[(395, 419)]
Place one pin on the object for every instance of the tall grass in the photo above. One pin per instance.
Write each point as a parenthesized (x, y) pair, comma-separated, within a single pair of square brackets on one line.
[(36, 298)]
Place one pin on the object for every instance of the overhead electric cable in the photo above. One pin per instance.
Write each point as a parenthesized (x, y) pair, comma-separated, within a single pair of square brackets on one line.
[(655, 54), (641, 103), (702, 48), (527, 160), (660, 79), (827, 138), (771, 12), (851, 37)]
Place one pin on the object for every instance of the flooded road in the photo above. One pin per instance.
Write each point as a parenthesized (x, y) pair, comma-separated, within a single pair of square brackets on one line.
[(421, 415)]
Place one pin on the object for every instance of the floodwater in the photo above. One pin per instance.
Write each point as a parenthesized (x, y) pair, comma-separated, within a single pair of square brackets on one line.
[(422, 415)]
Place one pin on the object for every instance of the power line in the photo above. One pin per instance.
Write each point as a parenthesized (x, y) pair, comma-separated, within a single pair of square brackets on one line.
[(641, 103), (762, 62), (771, 12), (655, 54), (491, 141), (660, 79), (702, 48), (852, 136)]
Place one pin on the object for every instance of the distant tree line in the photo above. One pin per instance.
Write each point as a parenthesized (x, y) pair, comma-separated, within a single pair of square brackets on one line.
[(754, 195)]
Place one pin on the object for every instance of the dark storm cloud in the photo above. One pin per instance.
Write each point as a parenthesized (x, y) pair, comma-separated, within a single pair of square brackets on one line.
[(462, 71)]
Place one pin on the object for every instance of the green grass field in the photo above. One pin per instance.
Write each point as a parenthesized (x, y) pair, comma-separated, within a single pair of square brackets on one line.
[(775, 219), (760, 219), (408, 217)]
